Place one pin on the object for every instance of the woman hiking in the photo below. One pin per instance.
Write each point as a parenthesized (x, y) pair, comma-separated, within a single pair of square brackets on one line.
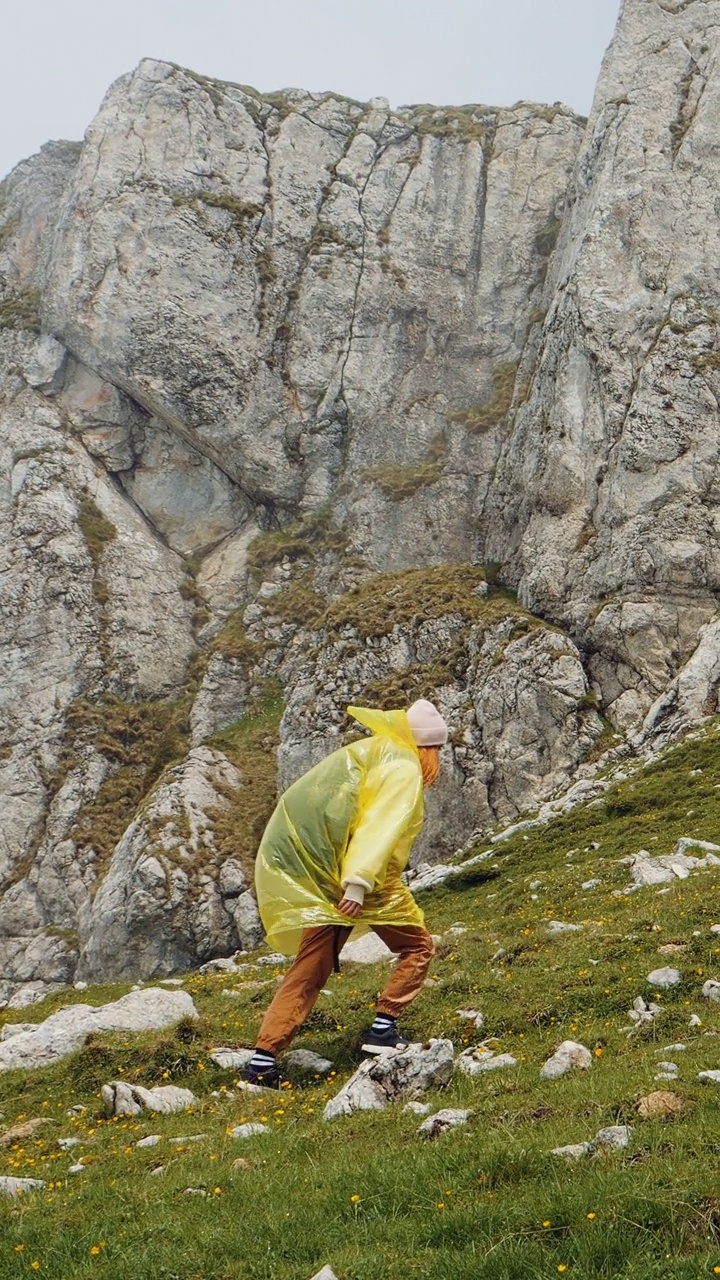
[(331, 859)]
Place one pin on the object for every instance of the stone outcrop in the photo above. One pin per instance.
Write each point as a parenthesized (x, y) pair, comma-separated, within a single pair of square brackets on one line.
[(278, 375), (68, 1029)]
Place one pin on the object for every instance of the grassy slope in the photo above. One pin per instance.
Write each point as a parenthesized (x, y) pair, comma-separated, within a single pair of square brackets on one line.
[(485, 1201)]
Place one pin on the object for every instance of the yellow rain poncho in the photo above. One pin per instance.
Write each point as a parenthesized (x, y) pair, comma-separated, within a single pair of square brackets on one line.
[(356, 814)]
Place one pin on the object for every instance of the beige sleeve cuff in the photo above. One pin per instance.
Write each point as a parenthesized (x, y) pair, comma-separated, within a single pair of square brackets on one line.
[(355, 889)]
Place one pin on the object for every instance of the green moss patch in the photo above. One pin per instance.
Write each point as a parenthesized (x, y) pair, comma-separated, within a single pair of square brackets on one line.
[(398, 481), (21, 310), (309, 538), (494, 411), (416, 595), (140, 739)]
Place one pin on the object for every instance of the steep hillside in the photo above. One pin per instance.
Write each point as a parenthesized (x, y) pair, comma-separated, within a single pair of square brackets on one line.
[(365, 1194)]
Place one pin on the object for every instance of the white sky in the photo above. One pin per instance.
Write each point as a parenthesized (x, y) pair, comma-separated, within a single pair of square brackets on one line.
[(58, 57)]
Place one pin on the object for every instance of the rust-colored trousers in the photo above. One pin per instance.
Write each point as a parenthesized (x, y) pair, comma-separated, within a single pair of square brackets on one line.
[(313, 965)]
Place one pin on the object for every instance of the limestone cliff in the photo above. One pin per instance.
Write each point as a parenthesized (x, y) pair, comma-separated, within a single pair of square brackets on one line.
[(295, 393)]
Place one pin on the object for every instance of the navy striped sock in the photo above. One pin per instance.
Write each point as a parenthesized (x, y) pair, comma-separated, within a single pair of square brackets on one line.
[(382, 1022), (262, 1061)]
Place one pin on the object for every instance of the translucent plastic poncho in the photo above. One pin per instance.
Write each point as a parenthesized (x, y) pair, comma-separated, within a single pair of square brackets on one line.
[(356, 813)]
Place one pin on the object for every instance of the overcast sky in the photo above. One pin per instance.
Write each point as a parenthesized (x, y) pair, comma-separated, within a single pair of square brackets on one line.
[(58, 57)]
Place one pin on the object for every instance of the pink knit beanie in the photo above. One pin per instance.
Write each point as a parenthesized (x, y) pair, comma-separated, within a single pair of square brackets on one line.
[(427, 725)]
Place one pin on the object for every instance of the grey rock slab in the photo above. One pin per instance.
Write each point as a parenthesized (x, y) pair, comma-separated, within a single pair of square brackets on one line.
[(152, 1140), (416, 1108), (667, 1066), (121, 1098), (472, 1015), (306, 1060), (12, 1187), (664, 978), (711, 991), (573, 1151), (249, 1130), (370, 949), (568, 1056), (64, 1031), (476, 1061), (394, 1076), (231, 1059), (614, 1137), (442, 1121)]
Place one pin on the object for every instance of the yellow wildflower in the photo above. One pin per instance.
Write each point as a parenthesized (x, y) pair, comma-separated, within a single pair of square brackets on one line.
[(354, 1199)]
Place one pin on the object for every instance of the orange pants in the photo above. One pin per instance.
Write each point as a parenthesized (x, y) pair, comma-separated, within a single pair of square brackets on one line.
[(313, 965)]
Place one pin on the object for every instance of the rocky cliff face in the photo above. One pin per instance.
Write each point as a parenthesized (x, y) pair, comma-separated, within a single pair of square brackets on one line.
[(278, 376)]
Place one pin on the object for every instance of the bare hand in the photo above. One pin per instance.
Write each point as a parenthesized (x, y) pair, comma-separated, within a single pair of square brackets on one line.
[(349, 909)]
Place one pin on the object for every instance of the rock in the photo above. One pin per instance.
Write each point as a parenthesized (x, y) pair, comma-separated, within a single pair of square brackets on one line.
[(473, 1062), (15, 1029), (661, 1105), (43, 368), (394, 1076), (665, 1075), (123, 1099), (21, 1132), (155, 1173), (557, 927), (441, 1121), (574, 1151), (672, 1048), (241, 1163), (195, 1191), (156, 910), (642, 1014), (305, 1060), (66, 1030), (171, 982), (590, 884), (231, 1059), (327, 1273), (248, 1130), (77, 1168), (416, 1108), (668, 1066), (189, 1138), (664, 978), (613, 1138), (715, 928), (370, 949), (67, 1144), (711, 991), (567, 1056), (152, 1140), (15, 1186), (672, 948), (472, 1015), (247, 921), (274, 958)]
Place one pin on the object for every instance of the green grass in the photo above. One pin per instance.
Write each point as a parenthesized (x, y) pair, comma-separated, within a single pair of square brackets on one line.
[(485, 1202)]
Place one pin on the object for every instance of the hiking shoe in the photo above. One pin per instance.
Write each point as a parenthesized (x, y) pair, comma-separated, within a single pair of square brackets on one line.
[(378, 1041), (269, 1078)]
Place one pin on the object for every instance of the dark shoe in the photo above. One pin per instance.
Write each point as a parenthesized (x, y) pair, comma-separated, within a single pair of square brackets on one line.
[(378, 1041), (267, 1079)]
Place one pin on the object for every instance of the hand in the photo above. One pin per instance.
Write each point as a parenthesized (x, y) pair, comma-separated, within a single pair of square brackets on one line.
[(349, 909)]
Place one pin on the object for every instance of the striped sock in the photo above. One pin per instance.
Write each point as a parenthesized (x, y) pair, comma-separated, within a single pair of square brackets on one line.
[(261, 1061), (382, 1022)]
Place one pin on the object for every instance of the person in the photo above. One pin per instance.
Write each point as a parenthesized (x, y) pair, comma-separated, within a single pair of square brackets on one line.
[(331, 860)]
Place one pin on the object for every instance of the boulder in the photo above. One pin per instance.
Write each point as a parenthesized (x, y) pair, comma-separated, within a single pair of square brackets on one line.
[(120, 1098), (664, 978), (68, 1029), (441, 1121), (394, 1076), (568, 1056), (711, 990)]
